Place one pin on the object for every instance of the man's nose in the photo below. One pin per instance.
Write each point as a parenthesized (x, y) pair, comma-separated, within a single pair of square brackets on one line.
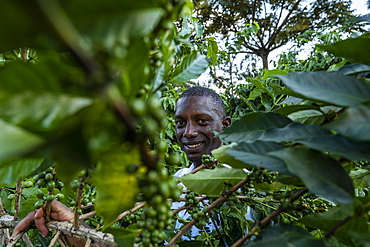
[(190, 130)]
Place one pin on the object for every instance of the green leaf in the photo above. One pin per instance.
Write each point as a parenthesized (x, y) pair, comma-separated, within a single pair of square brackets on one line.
[(49, 75), (353, 123), (113, 32), (286, 110), (256, 154), (356, 50), (320, 139), (16, 142), (212, 50), (273, 72), (328, 87), (307, 117), (352, 69), (13, 171), (212, 182), (321, 174), (191, 66), (39, 112), (124, 237), (111, 172), (221, 155), (252, 126), (282, 235)]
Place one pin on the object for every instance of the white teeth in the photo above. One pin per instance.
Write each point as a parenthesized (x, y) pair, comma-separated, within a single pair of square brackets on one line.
[(194, 145)]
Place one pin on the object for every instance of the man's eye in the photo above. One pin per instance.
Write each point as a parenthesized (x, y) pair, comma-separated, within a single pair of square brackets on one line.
[(179, 123), (202, 121)]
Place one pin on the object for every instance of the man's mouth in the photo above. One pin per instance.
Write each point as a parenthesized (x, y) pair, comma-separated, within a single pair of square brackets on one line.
[(194, 145)]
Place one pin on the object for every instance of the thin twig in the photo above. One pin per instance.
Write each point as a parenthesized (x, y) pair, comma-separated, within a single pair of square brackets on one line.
[(267, 219), (332, 230), (18, 193), (129, 212), (54, 239), (221, 199)]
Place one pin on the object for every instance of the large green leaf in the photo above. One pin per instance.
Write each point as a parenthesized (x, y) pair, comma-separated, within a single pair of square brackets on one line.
[(124, 237), (212, 182), (295, 108), (13, 171), (221, 155), (21, 23), (16, 142), (320, 139), (256, 154), (252, 126), (328, 87), (50, 75), (116, 187), (321, 174), (337, 144), (328, 220), (113, 32), (353, 123), (356, 50), (41, 111), (282, 235), (191, 66)]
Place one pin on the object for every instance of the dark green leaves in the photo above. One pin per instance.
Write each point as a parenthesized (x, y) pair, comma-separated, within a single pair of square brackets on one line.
[(252, 126), (320, 173), (328, 87), (354, 49)]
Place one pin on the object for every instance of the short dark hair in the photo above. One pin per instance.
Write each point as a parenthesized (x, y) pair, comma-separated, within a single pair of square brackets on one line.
[(206, 92)]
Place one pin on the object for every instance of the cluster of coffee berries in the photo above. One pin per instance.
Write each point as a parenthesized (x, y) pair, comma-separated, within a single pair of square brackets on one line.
[(197, 211), (260, 175), (157, 186), (47, 183), (207, 159)]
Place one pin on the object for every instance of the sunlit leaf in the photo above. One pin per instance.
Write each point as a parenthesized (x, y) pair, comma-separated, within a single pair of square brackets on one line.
[(273, 72), (39, 111), (321, 174), (116, 187), (190, 67), (212, 182), (328, 87), (16, 142), (13, 171)]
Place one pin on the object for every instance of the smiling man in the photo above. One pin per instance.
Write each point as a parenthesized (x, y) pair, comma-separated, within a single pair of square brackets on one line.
[(199, 112)]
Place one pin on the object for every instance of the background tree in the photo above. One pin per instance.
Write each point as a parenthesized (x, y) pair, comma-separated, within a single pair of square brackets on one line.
[(257, 28)]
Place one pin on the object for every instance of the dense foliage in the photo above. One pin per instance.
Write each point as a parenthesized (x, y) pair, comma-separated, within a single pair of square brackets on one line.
[(83, 107)]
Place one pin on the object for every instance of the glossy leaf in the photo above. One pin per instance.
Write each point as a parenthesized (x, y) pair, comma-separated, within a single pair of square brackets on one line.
[(282, 235), (13, 171), (116, 187), (328, 87), (352, 69), (212, 182), (256, 154), (353, 123), (16, 142), (190, 67), (39, 111), (273, 72), (252, 126), (295, 108), (353, 49), (321, 174), (221, 155)]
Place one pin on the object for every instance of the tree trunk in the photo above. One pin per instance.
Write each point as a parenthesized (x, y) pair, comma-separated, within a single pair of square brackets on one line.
[(265, 61)]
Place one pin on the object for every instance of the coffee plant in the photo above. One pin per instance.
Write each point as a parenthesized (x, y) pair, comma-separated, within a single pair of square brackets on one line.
[(87, 95)]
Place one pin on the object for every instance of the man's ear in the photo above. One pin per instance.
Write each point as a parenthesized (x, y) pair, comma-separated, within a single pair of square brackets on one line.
[(226, 122)]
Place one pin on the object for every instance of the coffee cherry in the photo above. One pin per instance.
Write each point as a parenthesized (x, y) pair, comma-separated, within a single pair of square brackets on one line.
[(39, 204)]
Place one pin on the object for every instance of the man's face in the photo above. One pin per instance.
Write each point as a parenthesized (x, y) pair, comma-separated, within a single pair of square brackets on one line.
[(196, 117)]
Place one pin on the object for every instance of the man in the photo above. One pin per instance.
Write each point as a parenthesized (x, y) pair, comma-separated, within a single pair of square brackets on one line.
[(199, 112)]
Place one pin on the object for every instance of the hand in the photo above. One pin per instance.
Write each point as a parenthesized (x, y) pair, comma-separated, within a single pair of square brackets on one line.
[(59, 211)]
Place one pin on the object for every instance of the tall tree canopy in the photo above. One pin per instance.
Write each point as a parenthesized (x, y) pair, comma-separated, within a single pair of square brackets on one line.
[(259, 27)]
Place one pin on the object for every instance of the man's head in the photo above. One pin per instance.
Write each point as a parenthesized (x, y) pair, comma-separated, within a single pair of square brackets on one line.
[(199, 112)]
